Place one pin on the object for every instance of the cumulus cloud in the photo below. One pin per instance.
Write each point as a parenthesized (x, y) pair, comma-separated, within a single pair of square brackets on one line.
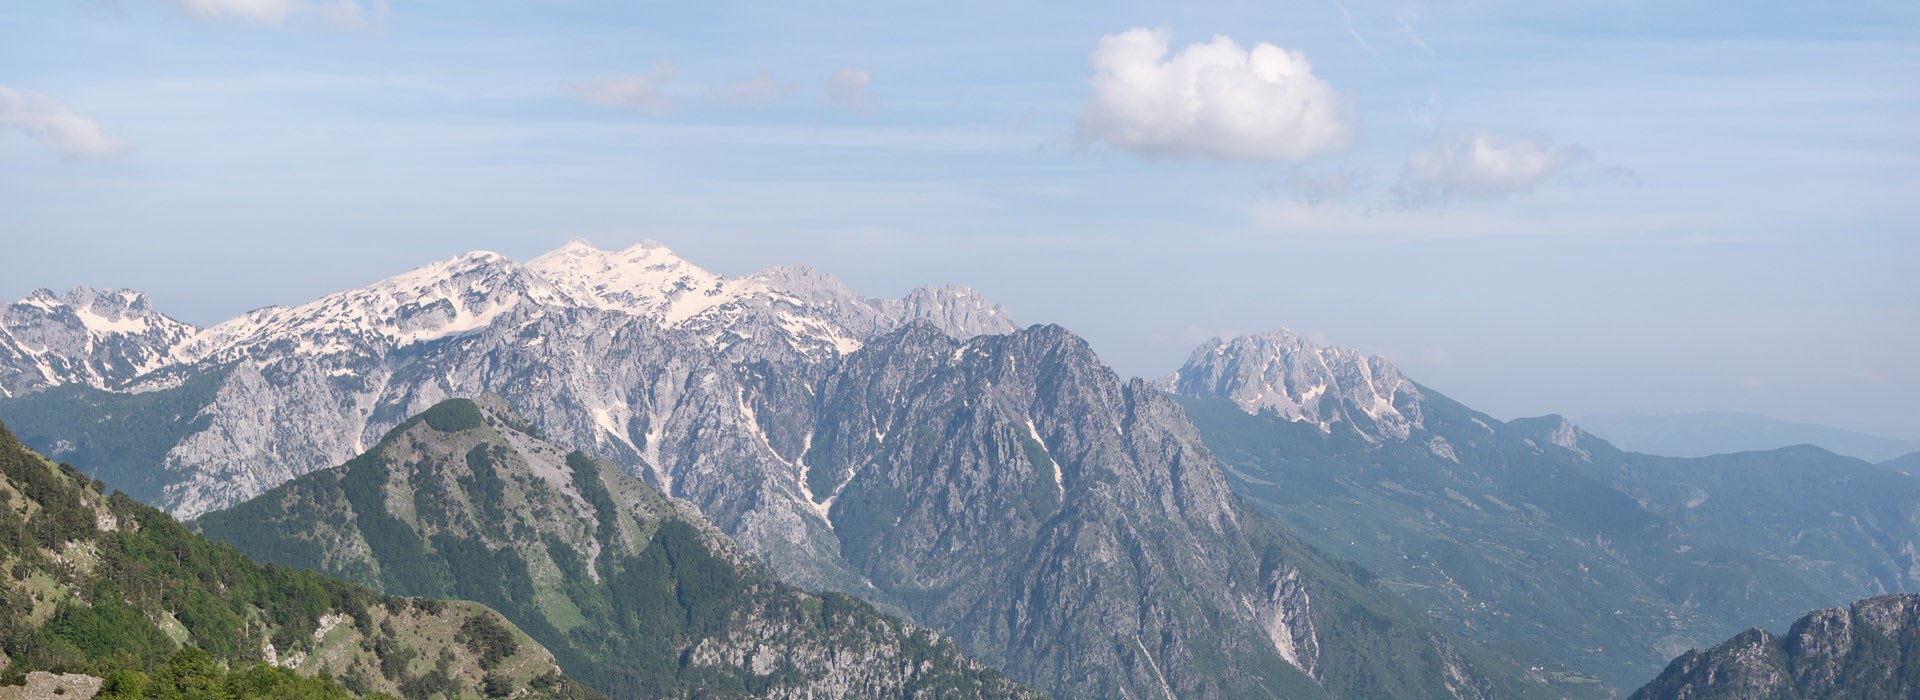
[(1212, 100), (1482, 166), (758, 91), (849, 87), (645, 92), (346, 14), (40, 117)]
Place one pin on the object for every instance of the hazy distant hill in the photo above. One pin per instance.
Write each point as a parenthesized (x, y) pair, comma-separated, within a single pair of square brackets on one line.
[(1722, 432), (1908, 464)]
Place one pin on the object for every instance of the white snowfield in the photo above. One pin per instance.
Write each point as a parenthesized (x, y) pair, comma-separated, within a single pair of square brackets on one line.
[(458, 296)]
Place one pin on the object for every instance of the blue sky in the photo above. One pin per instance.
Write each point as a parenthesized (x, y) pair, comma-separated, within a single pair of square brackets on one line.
[(1534, 207)]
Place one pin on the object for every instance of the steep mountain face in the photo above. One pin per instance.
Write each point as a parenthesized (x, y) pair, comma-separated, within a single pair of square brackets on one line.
[(86, 337), (1596, 564), (1869, 650), (304, 387), (103, 585), (1012, 491), (634, 592), (1008, 491)]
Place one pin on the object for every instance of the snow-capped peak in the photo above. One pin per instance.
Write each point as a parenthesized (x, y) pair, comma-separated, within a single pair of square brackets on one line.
[(86, 336), (434, 301), (1286, 373), (41, 298), (781, 312), (647, 279), (101, 313)]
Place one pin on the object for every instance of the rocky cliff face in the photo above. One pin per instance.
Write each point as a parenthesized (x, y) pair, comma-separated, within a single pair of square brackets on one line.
[(635, 592), (1869, 650), (86, 337), (1070, 526), (1013, 488), (1298, 380)]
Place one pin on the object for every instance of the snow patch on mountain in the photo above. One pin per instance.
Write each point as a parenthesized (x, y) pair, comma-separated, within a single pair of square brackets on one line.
[(428, 303), (1286, 374), (113, 338), (646, 279), (622, 353), (88, 337)]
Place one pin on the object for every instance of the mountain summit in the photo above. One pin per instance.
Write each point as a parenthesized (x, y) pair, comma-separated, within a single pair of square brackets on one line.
[(279, 391), (112, 339), (85, 337), (1289, 375)]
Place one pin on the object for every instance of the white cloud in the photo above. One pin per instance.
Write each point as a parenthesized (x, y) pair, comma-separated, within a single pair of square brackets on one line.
[(346, 14), (1482, 166), (646, 92), (849, 87), (40, 117), (1212, 100), (758, 91)]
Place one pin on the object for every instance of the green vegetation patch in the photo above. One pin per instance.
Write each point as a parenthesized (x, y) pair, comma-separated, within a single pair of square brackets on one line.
[(122, 439)]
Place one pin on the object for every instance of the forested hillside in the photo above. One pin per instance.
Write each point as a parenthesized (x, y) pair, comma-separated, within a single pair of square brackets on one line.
[(99, 584)]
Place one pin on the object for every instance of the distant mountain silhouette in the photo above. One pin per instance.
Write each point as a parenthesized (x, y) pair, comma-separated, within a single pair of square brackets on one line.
[(1722, 432)]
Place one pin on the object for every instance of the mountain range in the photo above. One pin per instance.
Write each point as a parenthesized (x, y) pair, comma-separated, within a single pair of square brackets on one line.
[(1002, 487), (1533, 534), (1723, 432), (350, 365), (636, 594), (1066, 589), (1273, 519)]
